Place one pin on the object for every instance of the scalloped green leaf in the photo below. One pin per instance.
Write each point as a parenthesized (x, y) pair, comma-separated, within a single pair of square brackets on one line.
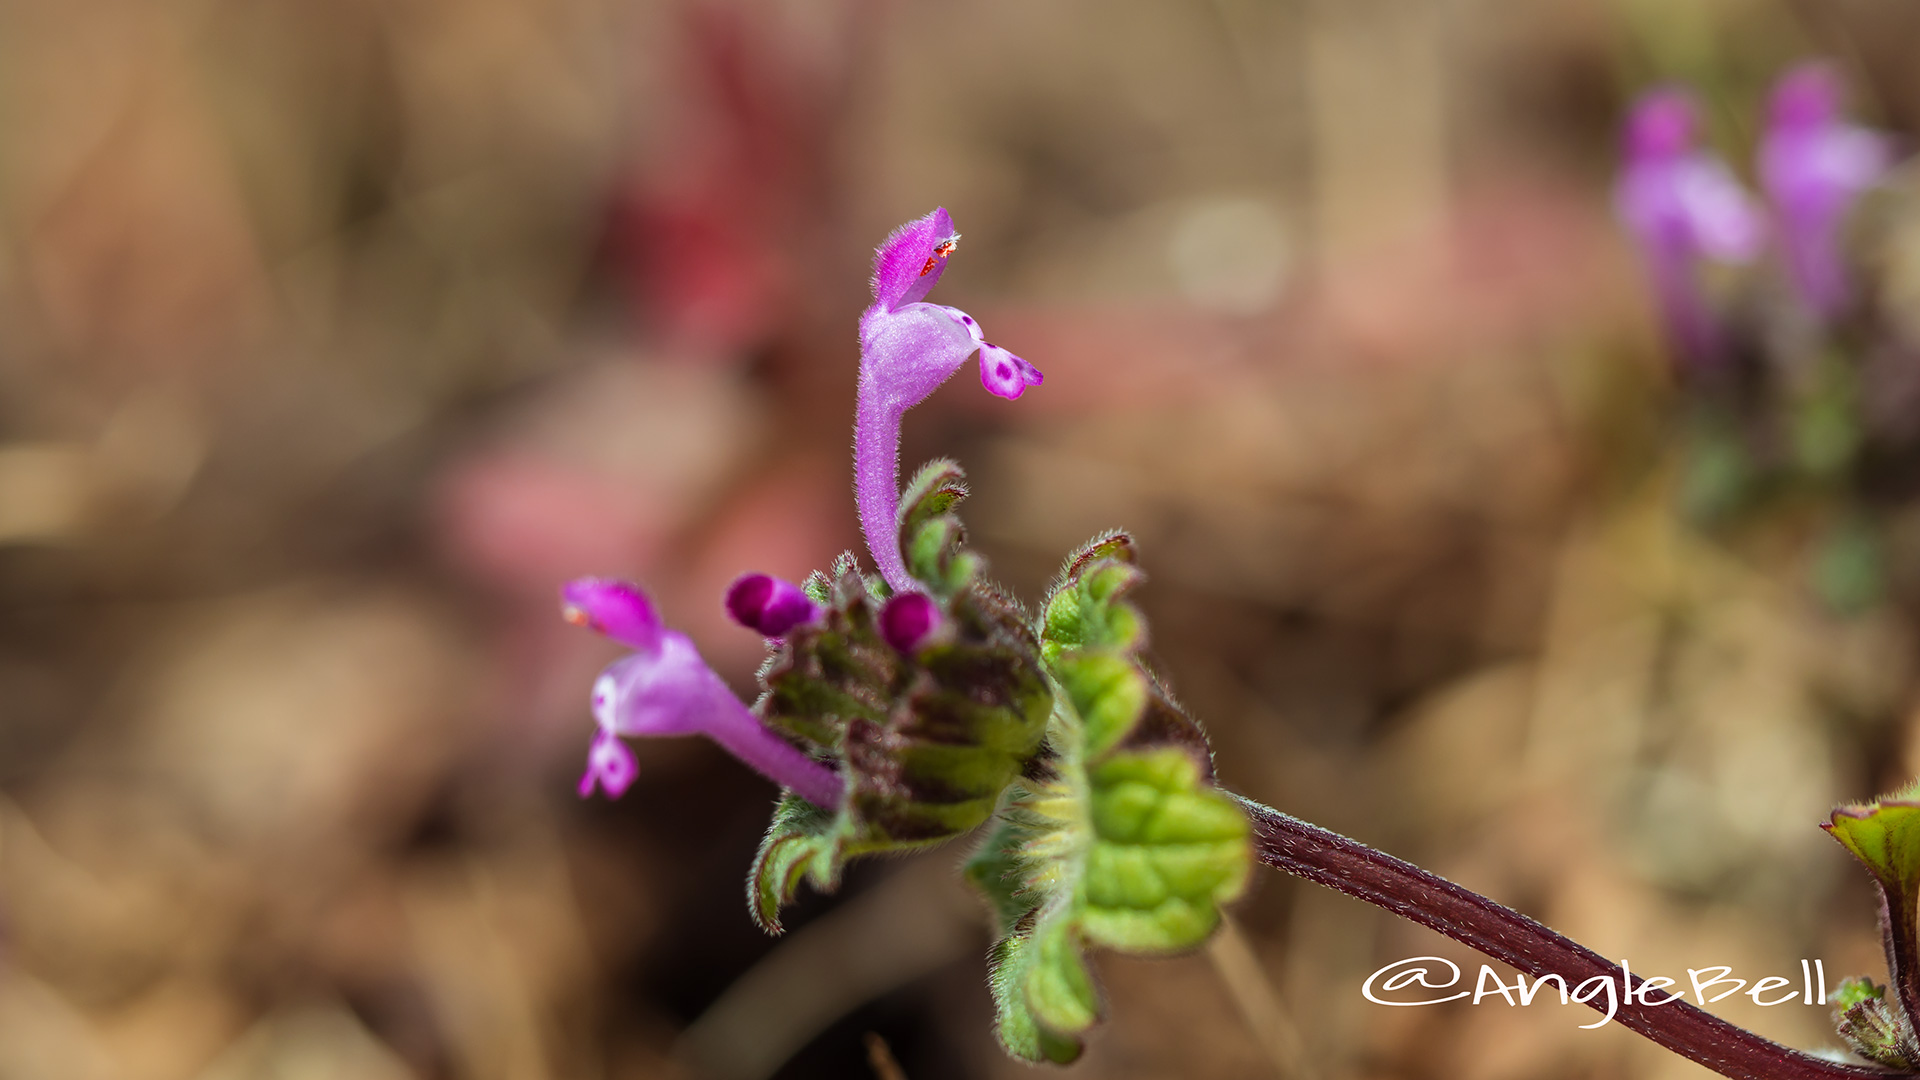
[(1059, 990), (932, 540), (934, 490), (1115, 544), (1043, 994), (1135, 854), (1086, 608), (996, 869), (1107, 690), (1032, 986), (1124, 842), (935, 556), (1169, 849), (802, 841)]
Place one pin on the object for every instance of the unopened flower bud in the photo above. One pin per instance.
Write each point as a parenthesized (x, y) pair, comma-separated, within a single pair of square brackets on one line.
[(770, 605)]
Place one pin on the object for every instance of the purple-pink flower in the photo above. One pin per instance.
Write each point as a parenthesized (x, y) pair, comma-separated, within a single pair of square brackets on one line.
[(907, 349), (1813, 165), (664, 688), (1682, 204)]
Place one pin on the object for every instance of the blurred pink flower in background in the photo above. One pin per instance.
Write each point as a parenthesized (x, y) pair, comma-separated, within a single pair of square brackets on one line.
[(1813, 165), (1683, 205), (713, 230)]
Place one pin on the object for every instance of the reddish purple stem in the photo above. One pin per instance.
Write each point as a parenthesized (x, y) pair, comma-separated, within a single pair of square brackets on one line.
[(1327, 858)]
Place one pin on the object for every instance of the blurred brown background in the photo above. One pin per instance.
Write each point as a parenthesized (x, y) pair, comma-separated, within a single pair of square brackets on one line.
[(334, 335)]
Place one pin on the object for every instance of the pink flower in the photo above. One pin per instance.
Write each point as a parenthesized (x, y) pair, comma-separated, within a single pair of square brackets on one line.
[(664, 688), (1682, 205), (907, 349), (1813, 165)]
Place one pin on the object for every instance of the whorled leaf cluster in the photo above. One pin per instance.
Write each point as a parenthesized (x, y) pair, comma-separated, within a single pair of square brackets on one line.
[(1103, 825)]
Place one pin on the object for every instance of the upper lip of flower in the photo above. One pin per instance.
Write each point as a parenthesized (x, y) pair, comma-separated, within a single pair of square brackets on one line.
[(614, 608)]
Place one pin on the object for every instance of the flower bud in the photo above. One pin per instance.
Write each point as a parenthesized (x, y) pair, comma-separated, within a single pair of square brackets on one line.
[(768, 604), (909, 621)]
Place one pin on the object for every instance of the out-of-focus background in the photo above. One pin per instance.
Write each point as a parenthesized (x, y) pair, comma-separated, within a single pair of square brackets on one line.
[(335, 335)]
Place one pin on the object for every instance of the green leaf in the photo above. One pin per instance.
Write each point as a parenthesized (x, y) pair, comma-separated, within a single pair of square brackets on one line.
[(935, 556), (1059, 990), (1134, 854), (932, 540), (934, 491), (1123, 842), (1168, 849), (1042, 992), (802, 840), (1885, 836), (1086, 608), (1107, 690), (995, 870), (1022, 985)]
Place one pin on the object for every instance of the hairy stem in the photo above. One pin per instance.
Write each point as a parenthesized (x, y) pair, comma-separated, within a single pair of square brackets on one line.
[(1309, 851), (876, 480)]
